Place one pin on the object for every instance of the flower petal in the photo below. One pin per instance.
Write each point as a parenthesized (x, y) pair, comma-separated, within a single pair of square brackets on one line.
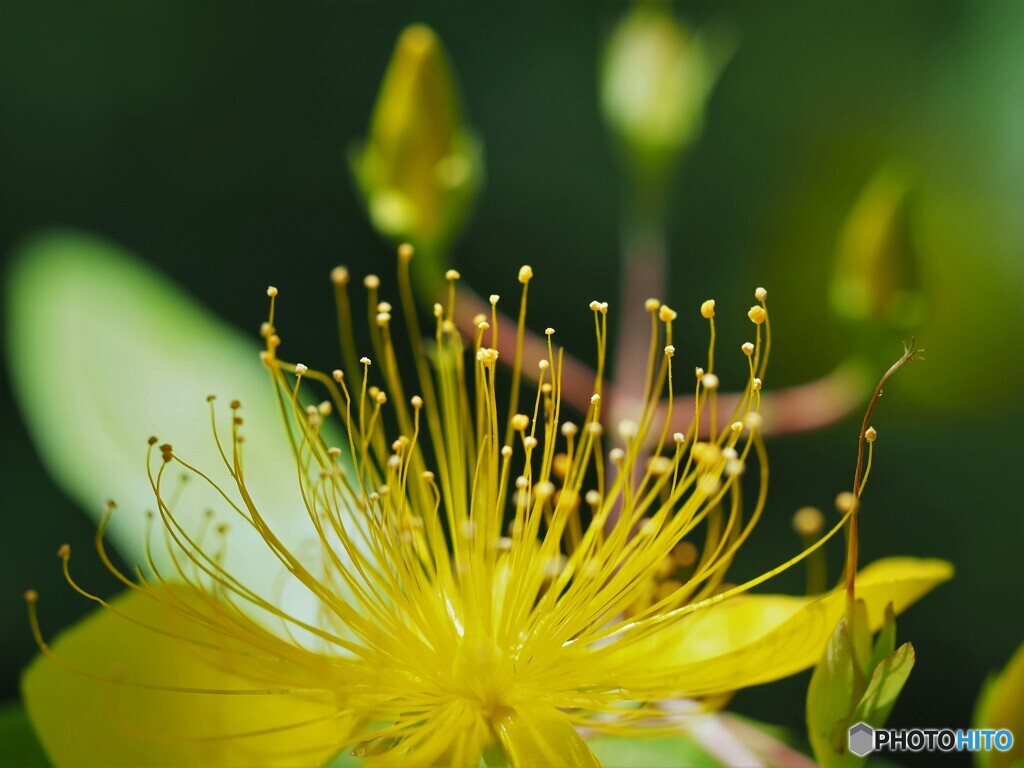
[(753, 639), (86, 722), (543, 736), (103, 354)]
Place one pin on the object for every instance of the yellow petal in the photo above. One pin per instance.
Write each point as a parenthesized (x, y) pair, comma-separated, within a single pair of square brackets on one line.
[(543, 737), (753, 639), (85, 722)]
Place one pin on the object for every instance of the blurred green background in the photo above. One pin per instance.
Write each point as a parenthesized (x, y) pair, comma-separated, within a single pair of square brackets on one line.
[(211, 138)]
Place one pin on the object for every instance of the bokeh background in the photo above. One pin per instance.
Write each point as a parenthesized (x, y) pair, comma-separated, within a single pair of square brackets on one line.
[(210, 139)]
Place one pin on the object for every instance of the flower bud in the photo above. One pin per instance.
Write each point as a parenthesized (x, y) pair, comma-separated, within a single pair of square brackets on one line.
[(874, 280), (655, 82), (419, 167)]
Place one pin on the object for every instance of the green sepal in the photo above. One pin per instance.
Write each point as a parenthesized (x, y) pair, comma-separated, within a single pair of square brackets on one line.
[(886, 683), (829, 700), (885, 643)]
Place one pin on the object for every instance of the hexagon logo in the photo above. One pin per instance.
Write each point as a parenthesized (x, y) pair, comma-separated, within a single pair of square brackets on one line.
[(861, 739)]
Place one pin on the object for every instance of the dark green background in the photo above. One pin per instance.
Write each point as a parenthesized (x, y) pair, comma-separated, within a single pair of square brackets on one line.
[(210, 139)]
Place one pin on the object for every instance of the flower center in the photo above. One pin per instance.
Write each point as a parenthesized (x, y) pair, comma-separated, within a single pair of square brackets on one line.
[(484, 673)]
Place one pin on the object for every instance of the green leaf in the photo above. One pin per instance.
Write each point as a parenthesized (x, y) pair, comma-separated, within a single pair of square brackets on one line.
[(886, 683), (104, 352), (18, 742), (670, 752), (829, 699)]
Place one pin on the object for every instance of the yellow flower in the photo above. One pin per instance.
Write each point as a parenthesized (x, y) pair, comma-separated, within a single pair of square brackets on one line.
[(477, 580)]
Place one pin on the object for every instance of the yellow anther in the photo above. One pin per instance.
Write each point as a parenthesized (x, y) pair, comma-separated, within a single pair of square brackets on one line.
[(616, 455), (452, 274), (670, 350), (756, 385), (64, 551), (383, 318), (520, 422), (808, 522), (627, 429), (271, 291), (549, 331), (405, 252), (870, 434), (709, 380), (595, 306), (506, 451), (543, 364), (334, 452), (679, 438), (660, 465), (748, 348), (372, 282), (493, 299), (569, 429), (417, 402), (339, 276), (707, 309), (530, 442), (525, 274), (757, 314), (666, 314), (760, 294), (337, 374), (364, 360), (754, 420), (845, 501), (652, 305), (595, 399), (300, 369)]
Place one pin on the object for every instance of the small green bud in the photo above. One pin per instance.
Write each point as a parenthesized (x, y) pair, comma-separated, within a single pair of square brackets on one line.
[(655, 82), (875, 277), (419, 167)]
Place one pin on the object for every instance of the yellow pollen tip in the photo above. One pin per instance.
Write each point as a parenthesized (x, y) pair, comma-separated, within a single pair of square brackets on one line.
[(748, 348), (757, 314), (549, 331), (339, 276), (845, 501), (666, 314), (31, 596), (808, 522), (709, 380), (372, 282), (870, 434), (679, 438), (452, 274), (337, 374), (525, 274), (756, 385), (271, 291), (760, 294), (365, 360), (417, 402), (406, 252), (520, 422), (595, 399), (64, 552), (652, 305), (493, 299), (300, 369), (670, 350), (707, 309)]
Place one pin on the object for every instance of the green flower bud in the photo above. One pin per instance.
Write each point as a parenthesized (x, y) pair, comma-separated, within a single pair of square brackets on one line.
[(655, 82), (875, 277), (419, 167)]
